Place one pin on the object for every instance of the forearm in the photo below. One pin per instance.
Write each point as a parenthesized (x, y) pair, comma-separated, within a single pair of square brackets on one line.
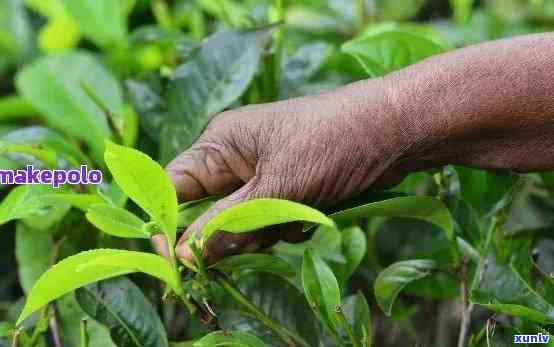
[(487, 106)]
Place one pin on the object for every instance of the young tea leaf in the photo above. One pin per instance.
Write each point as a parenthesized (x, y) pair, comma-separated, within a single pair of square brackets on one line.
[(259, 213), (189, 211), (147, 184), (25, 201), (230, 339), (321, 288), (117, 221), (394, 278), (89, 267), (257, 262), (121, 306), (353, 249)]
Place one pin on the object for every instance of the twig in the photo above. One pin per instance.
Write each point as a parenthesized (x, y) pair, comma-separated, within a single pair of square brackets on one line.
[(15, 338), (466, 307), (54, 328), (84, 333)]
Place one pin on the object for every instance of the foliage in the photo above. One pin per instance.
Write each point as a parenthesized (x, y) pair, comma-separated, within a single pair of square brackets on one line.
[(125, 85)]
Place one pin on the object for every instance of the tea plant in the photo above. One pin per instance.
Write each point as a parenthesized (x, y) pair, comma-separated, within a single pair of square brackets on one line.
[(453, 256)]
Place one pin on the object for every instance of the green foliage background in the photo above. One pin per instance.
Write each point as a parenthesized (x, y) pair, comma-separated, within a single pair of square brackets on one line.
[(400, 268)]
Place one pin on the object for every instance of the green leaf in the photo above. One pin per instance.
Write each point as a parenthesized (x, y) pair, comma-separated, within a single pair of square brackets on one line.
[(394, 278), (121, 306), (257, 262), (214, 76), (117, 221), (276, 297), (357, 312), (147, 184), (69, 318), (33, 251), (25, 201), (462, 10), (6, 329), (42, 137), (189, 211), (353, 249), (419, 207), (388, 47), (503, 289), (53, 85), (82, 201), (321, 288), (89, 267), (229, 339), (302, 66), (258, 213), (101, 21)]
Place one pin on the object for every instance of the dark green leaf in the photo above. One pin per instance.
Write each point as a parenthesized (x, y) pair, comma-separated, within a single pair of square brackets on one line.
[(256, 262), (212, 78), (229, 339), (189, 211), (394, 278), (420, 207), (121, 306), (358, 314), (277, 298), (353, 249), (321, 288)]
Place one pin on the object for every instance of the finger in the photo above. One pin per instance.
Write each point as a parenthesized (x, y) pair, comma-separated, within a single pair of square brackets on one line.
[(202, 171), (159, 242), (183, 251)]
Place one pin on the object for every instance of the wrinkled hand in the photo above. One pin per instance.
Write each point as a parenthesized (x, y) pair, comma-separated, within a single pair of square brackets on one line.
[(317, 150)]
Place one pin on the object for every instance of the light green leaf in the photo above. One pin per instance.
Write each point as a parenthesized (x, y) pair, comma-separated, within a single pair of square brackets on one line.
[(321, 288), (101, 21), (147, 184), (33, 251), (259, 213), (212, 78), (394, 278), (25, 201), (89, 267), (229, 339), (419, 207), (80, 200), (117, 221), (257, 262), (53, 85), (386, 48)]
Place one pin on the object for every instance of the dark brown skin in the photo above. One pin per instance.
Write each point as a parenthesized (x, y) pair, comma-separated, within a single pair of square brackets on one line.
[(488, 106)]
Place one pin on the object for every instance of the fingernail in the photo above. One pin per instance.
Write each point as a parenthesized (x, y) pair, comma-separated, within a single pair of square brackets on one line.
[(183, 252)]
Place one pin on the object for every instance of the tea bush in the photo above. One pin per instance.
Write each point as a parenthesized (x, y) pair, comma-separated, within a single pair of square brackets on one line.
[(456, 256)]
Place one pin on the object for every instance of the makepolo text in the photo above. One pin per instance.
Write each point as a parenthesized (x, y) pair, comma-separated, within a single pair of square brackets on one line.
[(54, 177)]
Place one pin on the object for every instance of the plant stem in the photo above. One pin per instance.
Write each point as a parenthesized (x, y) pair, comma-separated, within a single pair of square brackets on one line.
[(467, 308), (84, 333), (360, 11), (15, 338), (179, 290), (162, 14), (15, 107), (40, 327), (54, 329), (283, 333)]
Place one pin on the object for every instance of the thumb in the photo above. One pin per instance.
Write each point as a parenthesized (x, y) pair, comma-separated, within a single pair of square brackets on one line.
[(221, 243)]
